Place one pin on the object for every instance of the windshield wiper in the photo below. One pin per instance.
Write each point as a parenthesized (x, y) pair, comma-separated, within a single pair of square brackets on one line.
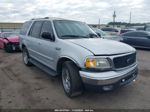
[(92, 35), (79, 36)]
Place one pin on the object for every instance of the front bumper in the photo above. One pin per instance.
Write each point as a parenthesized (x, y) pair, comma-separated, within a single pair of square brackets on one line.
[(115, 78), (15, 47)]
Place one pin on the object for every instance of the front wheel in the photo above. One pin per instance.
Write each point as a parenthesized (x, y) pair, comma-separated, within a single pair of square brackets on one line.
[(25, 56), (71, 80)]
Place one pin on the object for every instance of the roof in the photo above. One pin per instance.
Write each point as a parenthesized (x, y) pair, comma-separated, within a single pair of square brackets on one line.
[(52, 18)]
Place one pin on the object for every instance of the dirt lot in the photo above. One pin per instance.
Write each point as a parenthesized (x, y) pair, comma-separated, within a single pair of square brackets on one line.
[(29, 87)]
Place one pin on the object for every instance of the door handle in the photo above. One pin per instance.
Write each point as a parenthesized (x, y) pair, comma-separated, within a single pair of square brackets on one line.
[(39, 43), (57, 48)]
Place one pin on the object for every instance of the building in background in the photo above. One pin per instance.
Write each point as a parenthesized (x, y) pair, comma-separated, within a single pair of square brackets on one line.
[(10, 27)]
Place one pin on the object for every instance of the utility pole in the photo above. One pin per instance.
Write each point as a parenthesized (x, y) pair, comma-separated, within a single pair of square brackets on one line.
[(114, 17), (99, 22), (129, 24), (130, 17)]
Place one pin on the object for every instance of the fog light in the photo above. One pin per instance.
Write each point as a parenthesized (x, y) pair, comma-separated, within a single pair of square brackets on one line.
[(107, 88), (123, 80)]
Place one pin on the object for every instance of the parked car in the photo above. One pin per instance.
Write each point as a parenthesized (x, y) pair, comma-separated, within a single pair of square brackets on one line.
[(140, 28), (126, 30), (139, 39), (147, 27), (71, 49), (105, 35), (111, 31), (9, 41)]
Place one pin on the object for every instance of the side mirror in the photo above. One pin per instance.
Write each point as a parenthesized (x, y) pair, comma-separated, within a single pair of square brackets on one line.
[(47, 35)]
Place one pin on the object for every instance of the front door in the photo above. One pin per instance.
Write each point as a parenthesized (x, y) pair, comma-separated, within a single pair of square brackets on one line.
[(33, 40), (48, 47)]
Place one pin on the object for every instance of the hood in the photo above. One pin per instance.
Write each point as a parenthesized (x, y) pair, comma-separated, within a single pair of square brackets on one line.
[(13, 39), (103, 46)]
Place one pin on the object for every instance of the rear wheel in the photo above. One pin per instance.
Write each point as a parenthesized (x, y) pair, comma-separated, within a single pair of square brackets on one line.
[(25, 57), (71, 80)]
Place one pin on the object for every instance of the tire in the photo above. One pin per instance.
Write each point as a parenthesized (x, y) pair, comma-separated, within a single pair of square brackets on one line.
[(25, 57), (71, 80), (8, 48)]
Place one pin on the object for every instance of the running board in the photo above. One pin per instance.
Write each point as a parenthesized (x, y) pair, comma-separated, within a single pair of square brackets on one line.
[(43, 67)]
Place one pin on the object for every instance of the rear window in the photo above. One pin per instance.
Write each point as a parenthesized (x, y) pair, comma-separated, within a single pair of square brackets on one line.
[(36, 29), (25, 28)]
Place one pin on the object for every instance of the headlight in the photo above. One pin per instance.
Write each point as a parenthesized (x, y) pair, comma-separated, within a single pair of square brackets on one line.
[(101, 63)]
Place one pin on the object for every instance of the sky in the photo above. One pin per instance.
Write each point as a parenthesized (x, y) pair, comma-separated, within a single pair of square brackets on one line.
[(88, 11)]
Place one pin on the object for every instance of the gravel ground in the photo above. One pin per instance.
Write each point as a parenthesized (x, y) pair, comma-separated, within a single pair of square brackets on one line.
[(23, 87)]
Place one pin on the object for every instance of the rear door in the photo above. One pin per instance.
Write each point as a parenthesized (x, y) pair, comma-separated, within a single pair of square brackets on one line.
[(34, 39)]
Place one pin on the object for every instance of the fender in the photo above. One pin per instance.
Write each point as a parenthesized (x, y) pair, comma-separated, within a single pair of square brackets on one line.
[(70, 58)]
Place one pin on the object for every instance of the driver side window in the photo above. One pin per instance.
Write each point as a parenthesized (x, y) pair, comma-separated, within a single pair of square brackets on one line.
[(47, 27)]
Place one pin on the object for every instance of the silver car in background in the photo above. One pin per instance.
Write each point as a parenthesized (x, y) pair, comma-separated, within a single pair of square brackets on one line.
[(105, 35)]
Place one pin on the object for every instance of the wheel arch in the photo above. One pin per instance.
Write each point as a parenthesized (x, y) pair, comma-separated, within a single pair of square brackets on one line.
[(61, 61), (23, 46)]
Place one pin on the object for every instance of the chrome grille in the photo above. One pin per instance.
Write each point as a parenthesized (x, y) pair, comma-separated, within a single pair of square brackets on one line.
[(124, 61)]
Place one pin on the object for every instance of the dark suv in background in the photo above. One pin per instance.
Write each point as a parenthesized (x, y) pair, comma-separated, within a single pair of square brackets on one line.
[(138, 39)]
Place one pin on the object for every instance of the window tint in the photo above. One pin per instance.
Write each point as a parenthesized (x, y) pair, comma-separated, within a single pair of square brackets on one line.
[(47, 27), (25, 27), (36, 29)]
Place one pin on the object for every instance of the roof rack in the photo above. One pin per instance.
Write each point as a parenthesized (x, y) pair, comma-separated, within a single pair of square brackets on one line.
[(46, 18), (40, 18)]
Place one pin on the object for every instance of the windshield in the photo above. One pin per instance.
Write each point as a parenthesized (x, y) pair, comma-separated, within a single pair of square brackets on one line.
[(72, 29), (10, 34)]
